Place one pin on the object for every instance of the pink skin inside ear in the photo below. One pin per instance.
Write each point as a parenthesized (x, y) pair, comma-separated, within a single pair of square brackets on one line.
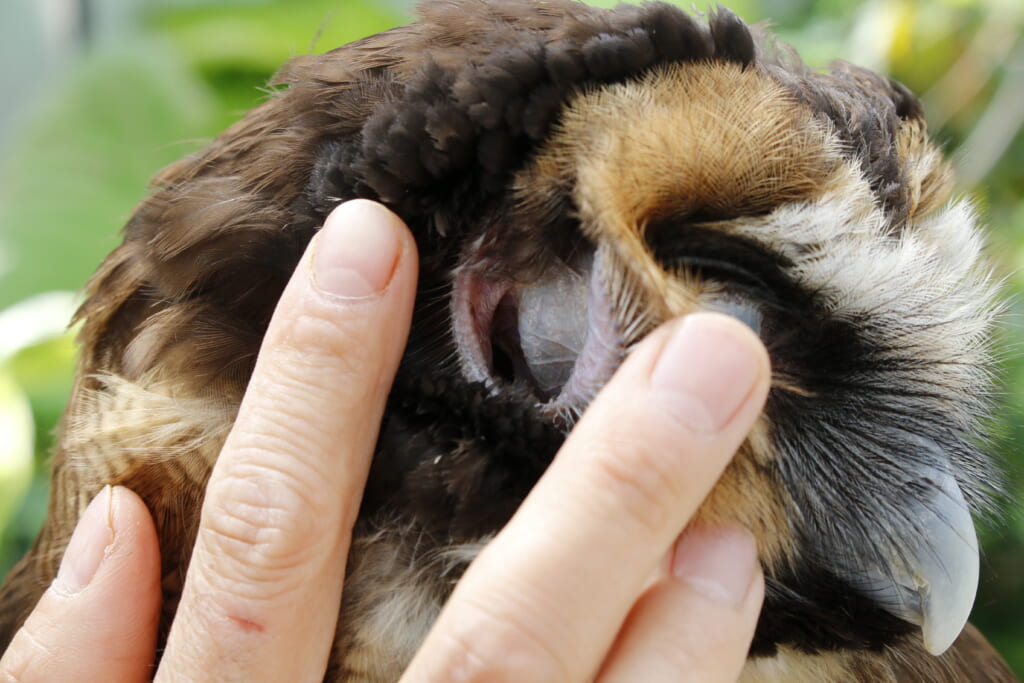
[(556, 336)]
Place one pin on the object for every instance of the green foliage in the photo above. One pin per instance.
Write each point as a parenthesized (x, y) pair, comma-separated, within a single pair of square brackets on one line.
[(36, 361), (235, 47), (83, 156), (38, 380), (17, 425)]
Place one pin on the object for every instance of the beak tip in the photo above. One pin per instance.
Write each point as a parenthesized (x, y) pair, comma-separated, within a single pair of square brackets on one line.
[(933, 583), (954, 586)]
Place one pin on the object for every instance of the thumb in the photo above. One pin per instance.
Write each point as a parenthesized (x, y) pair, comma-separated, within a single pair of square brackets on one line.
[(98, 619)]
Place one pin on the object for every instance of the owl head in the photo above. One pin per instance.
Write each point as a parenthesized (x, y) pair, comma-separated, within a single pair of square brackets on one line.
[(587, 175), (575, 177)]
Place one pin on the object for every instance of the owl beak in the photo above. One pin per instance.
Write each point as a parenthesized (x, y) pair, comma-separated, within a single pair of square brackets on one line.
[(932, 580)]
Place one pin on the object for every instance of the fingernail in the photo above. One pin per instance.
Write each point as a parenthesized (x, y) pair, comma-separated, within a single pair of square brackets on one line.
[(356, 250), (87, 548), (718, 563), (709, 367)]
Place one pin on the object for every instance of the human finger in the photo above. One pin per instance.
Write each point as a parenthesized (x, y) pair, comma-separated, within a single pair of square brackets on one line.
[(545, 600), (695, 624), (263, 589), (98, 619)]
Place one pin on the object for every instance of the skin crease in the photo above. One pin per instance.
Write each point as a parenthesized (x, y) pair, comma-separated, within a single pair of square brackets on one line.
[(265, 581)]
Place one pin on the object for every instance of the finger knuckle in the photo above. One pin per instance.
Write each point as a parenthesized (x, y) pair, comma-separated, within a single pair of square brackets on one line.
[(490, 646), (291, 386), (321, 336), (707, 656), (712, 647), (675, 657), (262, 522), (639, 470), (28, 653)]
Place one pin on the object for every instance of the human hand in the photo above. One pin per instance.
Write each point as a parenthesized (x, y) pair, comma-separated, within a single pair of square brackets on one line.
[(581, 580), (589, 578)]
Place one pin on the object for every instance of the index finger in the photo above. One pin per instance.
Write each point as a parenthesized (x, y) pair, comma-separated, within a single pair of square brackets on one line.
[(545, 600), (264, 586)]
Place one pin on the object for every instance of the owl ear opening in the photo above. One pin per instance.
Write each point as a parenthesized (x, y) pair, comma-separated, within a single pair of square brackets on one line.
[(930, 580)]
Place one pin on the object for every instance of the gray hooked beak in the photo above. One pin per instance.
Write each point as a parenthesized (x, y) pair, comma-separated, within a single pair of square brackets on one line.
[(933, 579)]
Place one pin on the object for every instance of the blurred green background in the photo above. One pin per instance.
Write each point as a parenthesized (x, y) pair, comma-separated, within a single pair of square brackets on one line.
[(99, 94)]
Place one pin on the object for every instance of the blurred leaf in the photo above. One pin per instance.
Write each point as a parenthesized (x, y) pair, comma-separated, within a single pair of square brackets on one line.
[(37, 357), (17, 428), (263, 35), (45, 370), (236, 47), (35, 320), (84, 161)]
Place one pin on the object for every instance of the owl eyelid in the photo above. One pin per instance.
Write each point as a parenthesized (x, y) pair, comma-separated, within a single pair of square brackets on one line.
[(696, 247), (733, 272)]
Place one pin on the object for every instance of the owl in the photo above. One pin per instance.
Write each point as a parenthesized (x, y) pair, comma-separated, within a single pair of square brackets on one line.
[(575, 177)]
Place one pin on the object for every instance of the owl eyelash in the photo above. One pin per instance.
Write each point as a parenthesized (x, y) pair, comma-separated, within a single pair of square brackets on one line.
[(718, 269)]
